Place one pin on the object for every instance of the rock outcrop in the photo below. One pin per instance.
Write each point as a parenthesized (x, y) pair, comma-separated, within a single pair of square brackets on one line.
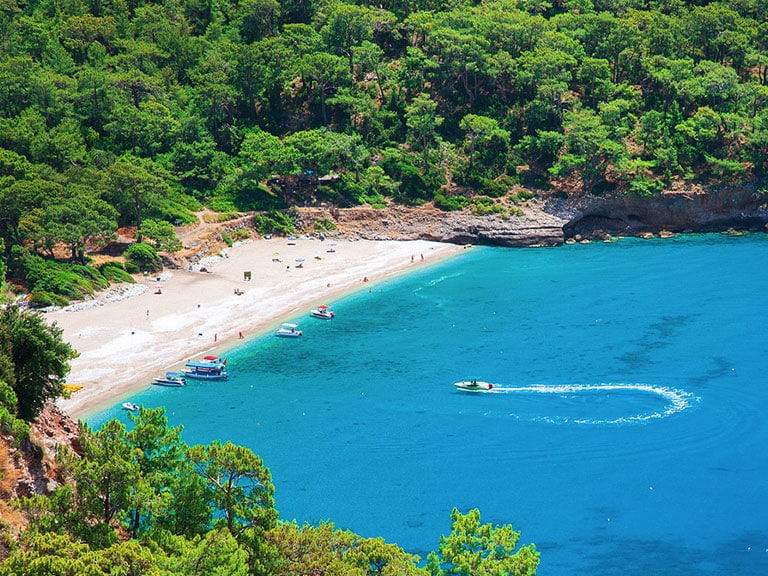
[(687, 209), (535, 228), (31, 468), (552, 221)]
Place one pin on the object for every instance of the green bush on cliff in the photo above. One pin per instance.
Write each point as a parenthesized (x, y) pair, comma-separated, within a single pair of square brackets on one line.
[(144, 256)]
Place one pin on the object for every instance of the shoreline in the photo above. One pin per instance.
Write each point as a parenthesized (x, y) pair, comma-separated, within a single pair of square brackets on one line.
[(130, 333)]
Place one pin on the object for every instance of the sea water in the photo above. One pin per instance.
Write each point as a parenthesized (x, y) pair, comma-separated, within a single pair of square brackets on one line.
[(626, 433)]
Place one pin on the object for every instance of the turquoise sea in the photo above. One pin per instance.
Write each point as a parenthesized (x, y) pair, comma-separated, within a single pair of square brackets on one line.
[(626, 434)]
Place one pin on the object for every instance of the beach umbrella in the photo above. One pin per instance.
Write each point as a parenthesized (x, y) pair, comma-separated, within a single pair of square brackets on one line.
[(299, 259)]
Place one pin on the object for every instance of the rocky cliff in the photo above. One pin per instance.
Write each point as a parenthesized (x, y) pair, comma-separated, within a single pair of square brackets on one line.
[(552, 221), (688, 209), (535, 228)]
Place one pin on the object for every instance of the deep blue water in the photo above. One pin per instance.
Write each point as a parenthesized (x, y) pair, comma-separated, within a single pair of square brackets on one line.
[(627, 432)]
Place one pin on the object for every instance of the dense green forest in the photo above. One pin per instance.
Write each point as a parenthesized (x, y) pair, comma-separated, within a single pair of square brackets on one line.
[(136, 113), (137, 500), (116, 112)]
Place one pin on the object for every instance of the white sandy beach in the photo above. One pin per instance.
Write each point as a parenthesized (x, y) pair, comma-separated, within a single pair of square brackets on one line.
[(131, 334)]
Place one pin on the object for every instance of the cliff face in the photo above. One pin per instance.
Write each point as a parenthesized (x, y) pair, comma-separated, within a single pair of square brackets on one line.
[(535, 228), (31, 469), (677, 210), (550, 222)]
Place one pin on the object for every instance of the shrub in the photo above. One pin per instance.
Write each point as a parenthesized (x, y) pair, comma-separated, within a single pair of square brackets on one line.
[(115, 272), (450, 203), (144, 256), (240, 234), (491, 188), (12, 426), (483, 205), (641, 185), (273, 223), (43, 299), (325, 225), (72, 281)]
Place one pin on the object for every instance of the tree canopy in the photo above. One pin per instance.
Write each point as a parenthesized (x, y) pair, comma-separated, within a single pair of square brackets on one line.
[(134, 114)]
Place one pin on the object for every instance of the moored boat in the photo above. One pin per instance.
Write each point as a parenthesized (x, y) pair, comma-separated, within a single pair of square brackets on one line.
[(322, 312), (130, 406), (473, 386), (209, 368), (171, 379), (288, 330)]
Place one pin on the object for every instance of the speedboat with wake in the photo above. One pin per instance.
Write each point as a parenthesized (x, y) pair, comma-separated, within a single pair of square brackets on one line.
[(473, 386)]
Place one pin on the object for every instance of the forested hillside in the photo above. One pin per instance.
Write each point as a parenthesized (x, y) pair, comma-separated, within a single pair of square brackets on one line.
[(118, 113)]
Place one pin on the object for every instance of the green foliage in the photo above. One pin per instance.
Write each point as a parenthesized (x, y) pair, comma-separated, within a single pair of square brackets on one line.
[(144, 256), (325, 225), (163, 234), (482, 205), (68, 280), (339, 552), (116, 272), (40, 359), (43, 299), (10, 425), (450, 203), (274, 222), (641, 185), (472, 548), (240, 234)]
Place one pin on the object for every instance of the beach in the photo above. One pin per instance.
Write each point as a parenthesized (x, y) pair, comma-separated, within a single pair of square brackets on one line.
[(132, 333)]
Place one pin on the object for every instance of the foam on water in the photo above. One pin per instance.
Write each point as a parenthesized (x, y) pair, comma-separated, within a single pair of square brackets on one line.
[(677, 400)]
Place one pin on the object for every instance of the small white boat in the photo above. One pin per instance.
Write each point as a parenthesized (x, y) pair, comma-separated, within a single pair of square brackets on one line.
[(171, 379), (323, 312), (130, 406), (288, 330), (473, 386)]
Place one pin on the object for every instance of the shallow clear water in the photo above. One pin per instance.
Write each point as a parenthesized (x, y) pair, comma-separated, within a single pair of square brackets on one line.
[(626, 433)]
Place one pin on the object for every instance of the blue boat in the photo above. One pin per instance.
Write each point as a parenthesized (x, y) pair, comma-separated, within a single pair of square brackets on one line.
[(209, 368)]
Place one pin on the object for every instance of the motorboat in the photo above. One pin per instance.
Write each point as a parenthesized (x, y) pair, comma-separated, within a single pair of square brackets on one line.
[(288, 330), (130, 406), (323, 312), (171, 379), (209, 368), (473, 386)]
